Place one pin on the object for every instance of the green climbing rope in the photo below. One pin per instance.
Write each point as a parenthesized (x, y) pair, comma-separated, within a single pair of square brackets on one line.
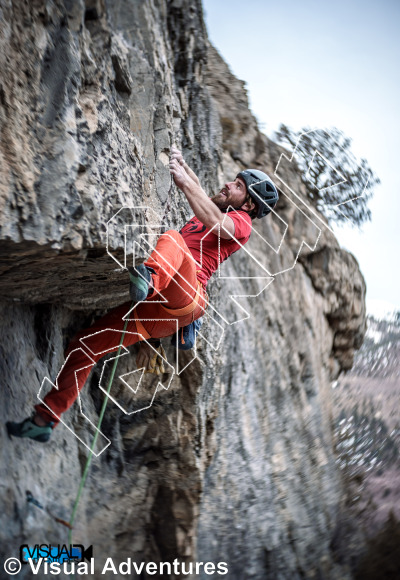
[(89, 459)]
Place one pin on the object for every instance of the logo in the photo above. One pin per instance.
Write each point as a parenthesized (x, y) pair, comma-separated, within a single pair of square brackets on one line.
[(54, 553)]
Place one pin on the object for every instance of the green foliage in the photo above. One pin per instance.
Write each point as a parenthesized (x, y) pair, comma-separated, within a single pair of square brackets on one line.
[(363, 441), (331, 173)]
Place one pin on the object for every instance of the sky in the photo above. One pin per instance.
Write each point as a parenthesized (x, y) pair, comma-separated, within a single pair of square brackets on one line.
[(321, 65)]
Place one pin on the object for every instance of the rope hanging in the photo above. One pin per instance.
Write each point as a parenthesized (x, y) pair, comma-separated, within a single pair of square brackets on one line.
[(89, 458)]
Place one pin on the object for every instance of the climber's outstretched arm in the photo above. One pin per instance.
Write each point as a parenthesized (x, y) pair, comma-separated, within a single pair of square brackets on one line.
[(204, 209)]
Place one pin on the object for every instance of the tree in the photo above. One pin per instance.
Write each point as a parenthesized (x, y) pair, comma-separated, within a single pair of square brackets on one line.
[(331, 173)]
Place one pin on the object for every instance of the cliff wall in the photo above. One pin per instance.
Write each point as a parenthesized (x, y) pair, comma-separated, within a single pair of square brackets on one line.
[(234, 462)]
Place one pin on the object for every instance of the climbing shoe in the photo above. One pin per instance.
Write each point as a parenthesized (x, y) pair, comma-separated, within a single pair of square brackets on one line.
[(28, 428), (140, 279)]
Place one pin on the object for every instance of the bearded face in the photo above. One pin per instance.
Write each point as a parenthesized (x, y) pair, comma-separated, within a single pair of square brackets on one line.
[(233, 194), (220, 200)]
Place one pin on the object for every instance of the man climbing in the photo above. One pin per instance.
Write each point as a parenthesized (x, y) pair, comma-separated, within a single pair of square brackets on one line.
[(174, 279)]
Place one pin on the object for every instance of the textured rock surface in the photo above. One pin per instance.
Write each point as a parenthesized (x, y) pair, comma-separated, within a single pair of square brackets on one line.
[(234, 462)]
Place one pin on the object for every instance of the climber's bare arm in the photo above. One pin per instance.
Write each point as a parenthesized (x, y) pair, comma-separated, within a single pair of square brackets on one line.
[(204, 209), (176, 154)]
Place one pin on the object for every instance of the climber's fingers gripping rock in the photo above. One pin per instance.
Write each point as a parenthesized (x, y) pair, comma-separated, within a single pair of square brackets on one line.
[(176, 154), (182, 174), (179, 174)]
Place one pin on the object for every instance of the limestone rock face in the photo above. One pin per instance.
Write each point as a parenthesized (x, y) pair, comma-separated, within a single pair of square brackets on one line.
[(234, 462)]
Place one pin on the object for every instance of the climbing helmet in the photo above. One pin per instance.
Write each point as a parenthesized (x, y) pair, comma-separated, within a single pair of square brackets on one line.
[(261, 189)]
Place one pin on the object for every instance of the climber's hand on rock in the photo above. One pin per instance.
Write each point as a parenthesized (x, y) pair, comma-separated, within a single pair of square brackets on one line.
[(176, 154), (179, 174)]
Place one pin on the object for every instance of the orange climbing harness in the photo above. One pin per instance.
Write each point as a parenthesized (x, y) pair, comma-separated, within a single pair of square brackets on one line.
[(175, 311), (186, 309)]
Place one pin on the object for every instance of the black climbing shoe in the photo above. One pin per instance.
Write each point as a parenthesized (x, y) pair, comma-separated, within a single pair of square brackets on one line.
[(28, 428), (140, 278)]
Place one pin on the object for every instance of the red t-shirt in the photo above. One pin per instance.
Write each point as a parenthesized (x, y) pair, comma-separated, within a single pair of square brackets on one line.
[(203, 244)]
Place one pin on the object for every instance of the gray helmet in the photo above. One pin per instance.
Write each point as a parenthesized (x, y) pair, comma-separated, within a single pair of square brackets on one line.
[(261, 189)]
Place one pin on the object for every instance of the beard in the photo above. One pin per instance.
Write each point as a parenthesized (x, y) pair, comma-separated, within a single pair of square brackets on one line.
[(222, 202)]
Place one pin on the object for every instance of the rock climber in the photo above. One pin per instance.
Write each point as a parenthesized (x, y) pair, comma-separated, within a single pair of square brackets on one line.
[(175, 277)]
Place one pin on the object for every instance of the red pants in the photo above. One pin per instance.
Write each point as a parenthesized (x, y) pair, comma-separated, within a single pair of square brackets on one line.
[(175, 277)]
